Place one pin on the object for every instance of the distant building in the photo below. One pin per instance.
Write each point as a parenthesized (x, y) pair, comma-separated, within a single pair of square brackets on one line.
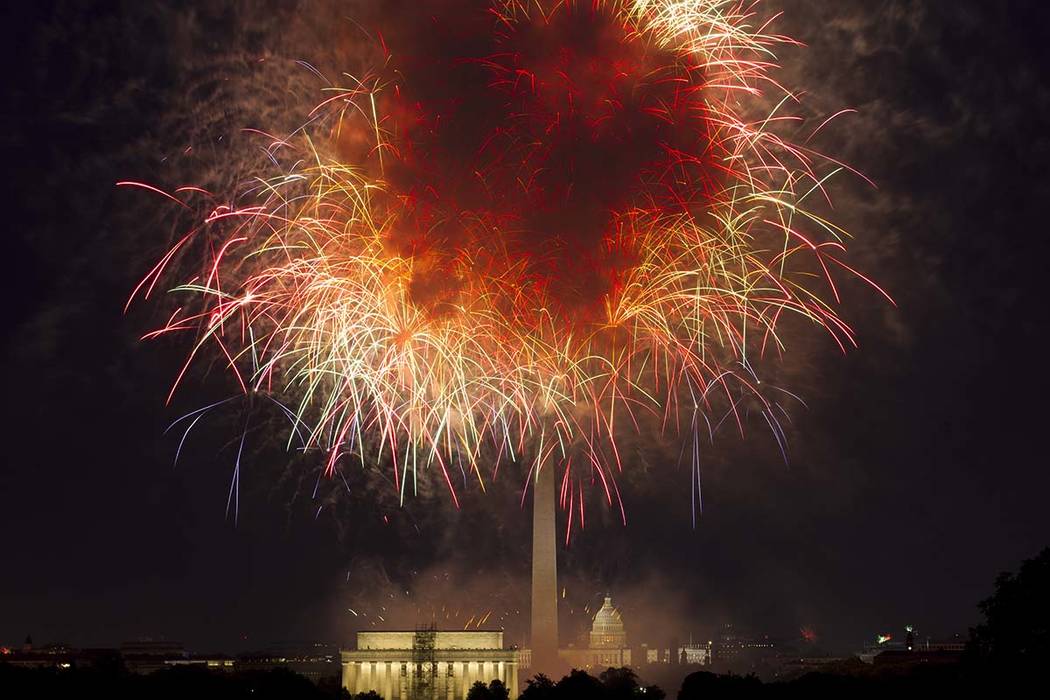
[(689, 654), (49, 656), (882, 643), (607, 642), (148, 655), (695, 653), (913, 651), (212, 662), (667, 665), (903, 657), (315, 660), (152, 647), (428, 664), (741, 652), (956, 643), (910, 642)]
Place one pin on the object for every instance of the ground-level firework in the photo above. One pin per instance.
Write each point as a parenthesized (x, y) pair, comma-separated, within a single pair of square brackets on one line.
[(519, 231)]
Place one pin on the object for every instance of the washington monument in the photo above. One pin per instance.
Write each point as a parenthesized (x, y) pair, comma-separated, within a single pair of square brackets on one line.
[(544, 575)]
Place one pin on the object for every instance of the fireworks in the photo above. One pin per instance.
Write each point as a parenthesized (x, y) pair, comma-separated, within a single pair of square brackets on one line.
[(527, 225)]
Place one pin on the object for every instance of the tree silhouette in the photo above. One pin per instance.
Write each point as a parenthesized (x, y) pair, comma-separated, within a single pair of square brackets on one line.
[(1015, 634), (479, 691), (580, 685), (653, 692), (707, 685), (498, 691), (493, 691), (620, 683), (612, 684), (539, 688)]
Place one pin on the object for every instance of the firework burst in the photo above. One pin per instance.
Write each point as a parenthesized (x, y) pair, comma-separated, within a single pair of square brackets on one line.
[(524, 226)]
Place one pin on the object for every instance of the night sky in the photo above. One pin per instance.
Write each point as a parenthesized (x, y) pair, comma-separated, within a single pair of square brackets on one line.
[(915, 473)]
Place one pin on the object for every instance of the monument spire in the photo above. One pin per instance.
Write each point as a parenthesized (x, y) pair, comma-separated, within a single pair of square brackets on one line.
[(544, 575)]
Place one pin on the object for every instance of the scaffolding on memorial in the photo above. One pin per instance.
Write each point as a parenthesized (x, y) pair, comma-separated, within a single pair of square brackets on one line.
[(426, 683)]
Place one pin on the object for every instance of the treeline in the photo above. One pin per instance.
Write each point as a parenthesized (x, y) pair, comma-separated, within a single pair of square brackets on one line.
[(611, 684), (188, 682), (913, 681)]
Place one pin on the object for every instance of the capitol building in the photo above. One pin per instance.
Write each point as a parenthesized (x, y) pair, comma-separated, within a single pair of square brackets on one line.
[(607, 642)]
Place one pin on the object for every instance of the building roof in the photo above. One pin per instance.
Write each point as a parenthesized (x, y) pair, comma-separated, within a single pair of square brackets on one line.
[(442, 639), (607, 621)]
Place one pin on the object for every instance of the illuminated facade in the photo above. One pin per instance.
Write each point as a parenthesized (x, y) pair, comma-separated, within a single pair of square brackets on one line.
[(428, 664), (607, 630), (607, 642)]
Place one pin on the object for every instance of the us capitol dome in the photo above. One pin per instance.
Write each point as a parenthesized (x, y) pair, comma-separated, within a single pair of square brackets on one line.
[(607, 631), (606, 645)]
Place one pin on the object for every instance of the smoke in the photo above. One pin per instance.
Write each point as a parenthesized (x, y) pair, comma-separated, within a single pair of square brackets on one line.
[(521, 145), (451, 595)]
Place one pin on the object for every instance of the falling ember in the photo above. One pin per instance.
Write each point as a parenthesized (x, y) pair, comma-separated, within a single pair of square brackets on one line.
[(526, 225)]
